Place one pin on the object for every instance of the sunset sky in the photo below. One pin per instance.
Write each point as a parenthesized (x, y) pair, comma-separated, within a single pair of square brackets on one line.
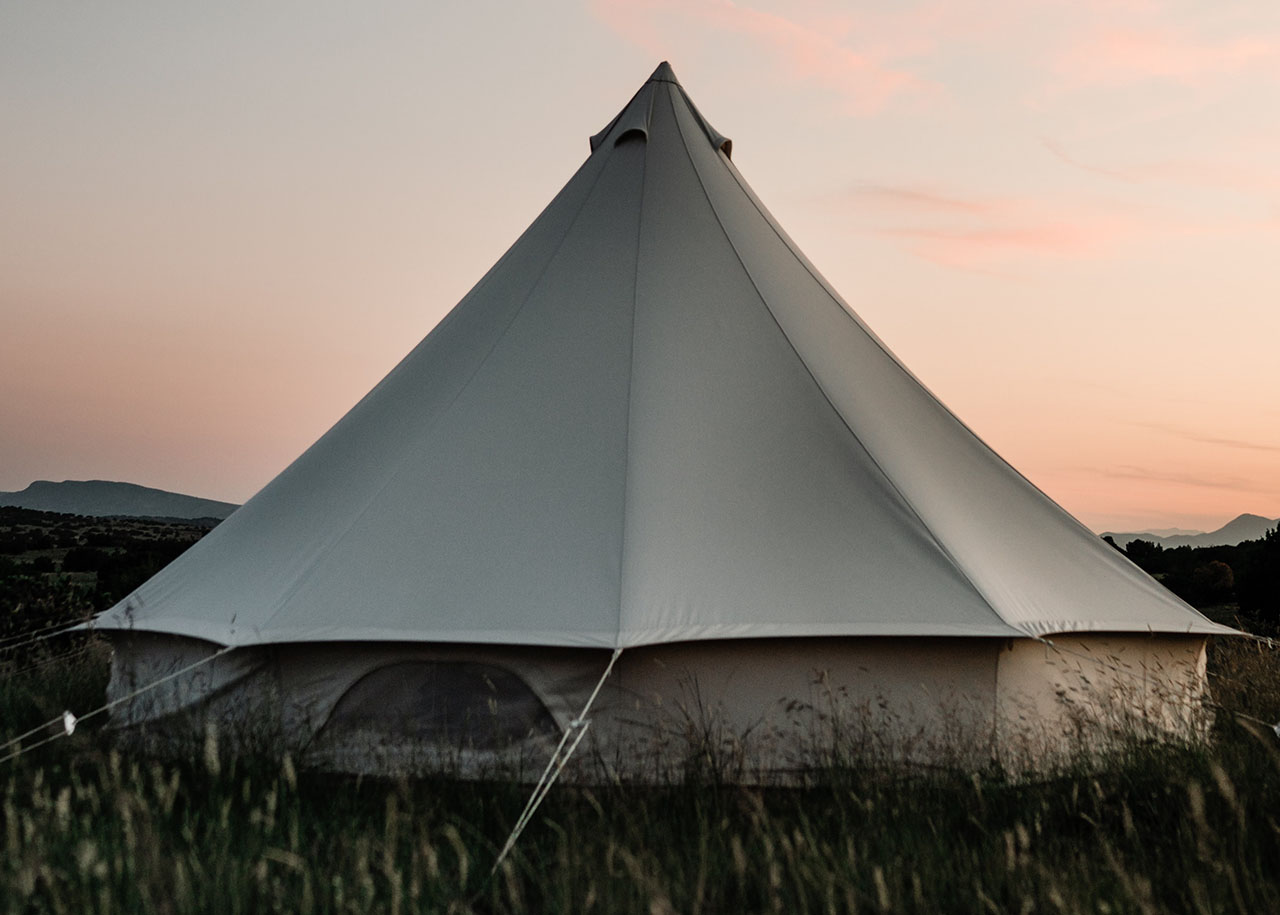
[(221, 224)]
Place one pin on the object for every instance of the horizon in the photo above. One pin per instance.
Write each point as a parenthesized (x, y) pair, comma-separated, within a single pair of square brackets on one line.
[(225, 226), (1149, 529)]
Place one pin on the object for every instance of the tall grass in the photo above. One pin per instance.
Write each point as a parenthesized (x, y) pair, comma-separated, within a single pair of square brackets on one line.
[(1152, 829)]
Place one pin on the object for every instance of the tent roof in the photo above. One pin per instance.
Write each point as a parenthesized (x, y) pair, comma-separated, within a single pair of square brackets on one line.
[(651, 421)]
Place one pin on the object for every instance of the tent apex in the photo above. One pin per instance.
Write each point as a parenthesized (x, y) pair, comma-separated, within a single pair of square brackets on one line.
[(664, 74)]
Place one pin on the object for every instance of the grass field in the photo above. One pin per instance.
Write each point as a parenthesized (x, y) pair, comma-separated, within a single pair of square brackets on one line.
[(1155, 829)]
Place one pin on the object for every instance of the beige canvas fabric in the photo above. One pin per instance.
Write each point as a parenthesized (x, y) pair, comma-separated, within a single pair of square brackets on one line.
[(652, 421), (751, 710)]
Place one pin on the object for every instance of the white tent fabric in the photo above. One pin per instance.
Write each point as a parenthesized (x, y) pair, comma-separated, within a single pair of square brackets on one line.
[(652, 421)]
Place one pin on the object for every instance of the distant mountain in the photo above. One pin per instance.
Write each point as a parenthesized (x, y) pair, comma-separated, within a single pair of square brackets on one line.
[(1171, 531), (102, 497), (1246, 527)]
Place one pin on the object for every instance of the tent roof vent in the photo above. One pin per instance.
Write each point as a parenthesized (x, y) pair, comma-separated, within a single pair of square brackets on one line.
[(634, 119)]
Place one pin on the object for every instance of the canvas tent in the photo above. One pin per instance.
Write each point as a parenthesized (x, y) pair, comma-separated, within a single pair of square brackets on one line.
[(652, 426)]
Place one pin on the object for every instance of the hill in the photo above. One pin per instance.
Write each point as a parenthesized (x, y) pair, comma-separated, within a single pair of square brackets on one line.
[(104, 498), (1238, 530)]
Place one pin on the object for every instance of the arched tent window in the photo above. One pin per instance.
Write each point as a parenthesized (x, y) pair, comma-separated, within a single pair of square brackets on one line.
[(445, 704)]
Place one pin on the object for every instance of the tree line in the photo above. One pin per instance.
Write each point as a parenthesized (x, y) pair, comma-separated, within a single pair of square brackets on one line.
[(1245, 577), (62, 568)]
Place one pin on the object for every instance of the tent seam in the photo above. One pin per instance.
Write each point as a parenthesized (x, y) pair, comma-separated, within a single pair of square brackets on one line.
[(322, 554), (631, 373), (821, 390), (604, 640)]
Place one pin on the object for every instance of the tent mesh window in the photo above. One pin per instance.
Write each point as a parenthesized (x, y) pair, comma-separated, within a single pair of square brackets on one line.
[(461, 705)]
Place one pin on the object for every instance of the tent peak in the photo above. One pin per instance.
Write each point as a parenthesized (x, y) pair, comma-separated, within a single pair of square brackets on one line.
[(664, 74), (634, 120)]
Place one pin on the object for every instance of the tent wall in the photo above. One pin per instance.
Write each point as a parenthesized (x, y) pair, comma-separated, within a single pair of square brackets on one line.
[(1081, 695), (171, 689), (742, 710), (756, 709)]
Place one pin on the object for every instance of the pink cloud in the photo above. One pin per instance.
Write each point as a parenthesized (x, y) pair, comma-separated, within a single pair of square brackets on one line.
[(812, 55), (1201, 173), (897, 196), (968, 247), (1121, 57), (1117, 173), (874, 55), (979, 231)]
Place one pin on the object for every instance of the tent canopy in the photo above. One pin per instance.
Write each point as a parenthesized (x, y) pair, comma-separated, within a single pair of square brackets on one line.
[(651, 421)]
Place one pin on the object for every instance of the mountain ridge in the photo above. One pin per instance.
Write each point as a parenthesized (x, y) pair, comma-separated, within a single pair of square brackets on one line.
[(109, 498), (1239, 529)]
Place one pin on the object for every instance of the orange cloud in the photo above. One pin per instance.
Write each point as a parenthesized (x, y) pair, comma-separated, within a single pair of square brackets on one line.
[(807, 54), (1201, 438), (1194, 480)]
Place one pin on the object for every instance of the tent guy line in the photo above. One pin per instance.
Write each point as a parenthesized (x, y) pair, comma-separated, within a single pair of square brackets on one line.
[(69, 720), (559, 759)]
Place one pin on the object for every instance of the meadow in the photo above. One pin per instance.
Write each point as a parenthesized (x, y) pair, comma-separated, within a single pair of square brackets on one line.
[(1151, 829)]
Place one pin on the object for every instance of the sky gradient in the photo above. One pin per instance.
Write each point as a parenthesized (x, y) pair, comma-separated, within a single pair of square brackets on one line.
[(223, 224)]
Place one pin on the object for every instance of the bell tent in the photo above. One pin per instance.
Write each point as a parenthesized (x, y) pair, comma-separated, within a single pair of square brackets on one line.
[(652, 427)]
